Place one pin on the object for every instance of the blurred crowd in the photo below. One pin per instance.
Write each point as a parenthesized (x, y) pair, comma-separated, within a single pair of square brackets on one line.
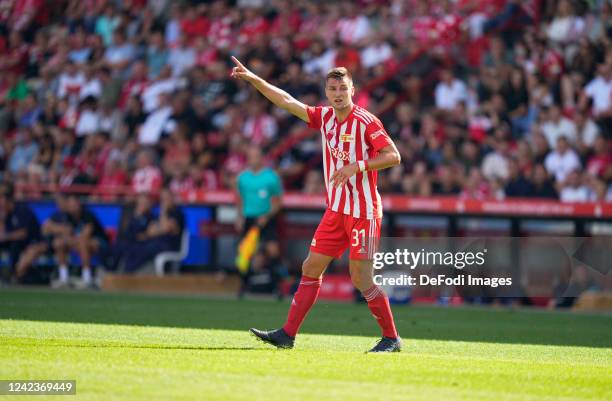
[(486, 99)]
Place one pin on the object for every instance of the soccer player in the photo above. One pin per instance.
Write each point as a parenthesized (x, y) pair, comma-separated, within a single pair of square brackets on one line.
[(355, 146)]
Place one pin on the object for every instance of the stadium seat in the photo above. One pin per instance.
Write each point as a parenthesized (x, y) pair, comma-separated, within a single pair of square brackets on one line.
[(173, 257)]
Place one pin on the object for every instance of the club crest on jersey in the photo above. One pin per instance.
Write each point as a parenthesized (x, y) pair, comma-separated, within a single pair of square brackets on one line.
[(346, 138), (340, 154)]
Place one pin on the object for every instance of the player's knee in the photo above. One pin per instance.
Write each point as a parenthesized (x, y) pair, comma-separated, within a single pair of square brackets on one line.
[(311, 269)]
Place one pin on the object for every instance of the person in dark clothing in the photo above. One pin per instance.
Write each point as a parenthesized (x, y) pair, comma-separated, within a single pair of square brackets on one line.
[(88, 239), (162, 235), (19, 226), (541, 184), (56, 226), (517, 185), (445, 182), (134, 234)]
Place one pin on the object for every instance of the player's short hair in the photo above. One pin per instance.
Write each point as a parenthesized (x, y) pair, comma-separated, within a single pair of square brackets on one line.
[(338, 73)]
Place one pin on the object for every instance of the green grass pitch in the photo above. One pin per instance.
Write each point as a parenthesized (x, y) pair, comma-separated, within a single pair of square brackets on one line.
[(140, 347)]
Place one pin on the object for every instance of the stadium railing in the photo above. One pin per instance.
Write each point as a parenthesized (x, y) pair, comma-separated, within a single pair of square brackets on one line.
[(515, 209)]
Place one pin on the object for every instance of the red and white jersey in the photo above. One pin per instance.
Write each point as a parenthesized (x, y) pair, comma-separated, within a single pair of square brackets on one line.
[(147, 179), (359, 137)]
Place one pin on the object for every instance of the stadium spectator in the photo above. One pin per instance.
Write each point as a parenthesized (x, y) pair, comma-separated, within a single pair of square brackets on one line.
[(445, 182), (70, 82), (163, 84), (23, 153), (54, 229), (163, 234), (573, 189), (182, 57), (557, 125), (539, 144), (88, 238), (29, 112), (119, 54), (91, 86), (157, 54), (600, 162), (562, 160), (353, 27), (516, 97), (376, 52), (598, 92), (495, 164), (132, 238), (42, 164), (542, 186), (19, 227), (566, 27), (88, 120), (157, 124), (136, 83), (450, 91), (260, 129), (113, 180), (517, 184), (147, 177), (586, 131), (258, 191), (476, 187), (107, 23)]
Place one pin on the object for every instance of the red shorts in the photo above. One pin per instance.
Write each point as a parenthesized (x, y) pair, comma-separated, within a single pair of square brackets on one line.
[(338, 231)]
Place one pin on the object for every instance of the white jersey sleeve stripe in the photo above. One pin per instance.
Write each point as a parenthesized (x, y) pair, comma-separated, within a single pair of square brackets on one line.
[(367, 118)]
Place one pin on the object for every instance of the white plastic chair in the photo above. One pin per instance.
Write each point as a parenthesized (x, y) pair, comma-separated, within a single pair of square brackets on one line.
[(175, 257)]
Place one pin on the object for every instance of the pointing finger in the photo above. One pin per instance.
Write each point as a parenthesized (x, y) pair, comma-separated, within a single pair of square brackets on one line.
[(238, 63)]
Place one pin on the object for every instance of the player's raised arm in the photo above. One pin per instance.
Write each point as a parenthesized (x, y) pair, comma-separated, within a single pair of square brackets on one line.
[(276, 95)]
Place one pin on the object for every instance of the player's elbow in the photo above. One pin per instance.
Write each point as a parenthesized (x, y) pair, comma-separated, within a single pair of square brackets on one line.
[(287, 100), (396, 158)]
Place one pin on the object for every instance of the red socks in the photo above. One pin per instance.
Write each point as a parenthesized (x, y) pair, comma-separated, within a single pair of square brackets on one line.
[(304, 298), (379, 306), (307, 293)]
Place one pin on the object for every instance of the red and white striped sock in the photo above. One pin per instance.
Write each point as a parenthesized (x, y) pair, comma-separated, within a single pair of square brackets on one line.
[(304, 298), (379, 306)]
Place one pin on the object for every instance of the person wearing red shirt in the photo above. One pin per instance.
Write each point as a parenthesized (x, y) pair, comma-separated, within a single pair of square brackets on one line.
[(195, 24), (355, 146), (599, 163), (148, 177)]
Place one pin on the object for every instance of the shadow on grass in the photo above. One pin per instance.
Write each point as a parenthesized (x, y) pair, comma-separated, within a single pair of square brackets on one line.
[(416, 322), (48, 343)]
